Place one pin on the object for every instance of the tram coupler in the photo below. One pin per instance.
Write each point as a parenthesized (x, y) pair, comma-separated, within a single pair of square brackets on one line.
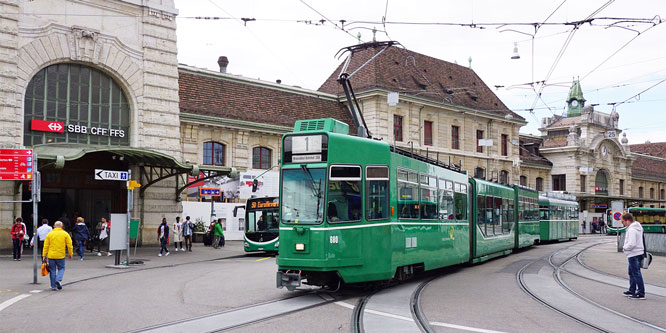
[(289, 280)]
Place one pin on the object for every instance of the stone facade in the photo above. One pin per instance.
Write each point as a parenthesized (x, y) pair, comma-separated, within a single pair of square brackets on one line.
[(136, 46)]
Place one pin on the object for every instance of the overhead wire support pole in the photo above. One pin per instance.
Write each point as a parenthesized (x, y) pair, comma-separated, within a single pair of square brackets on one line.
[(36, 188)]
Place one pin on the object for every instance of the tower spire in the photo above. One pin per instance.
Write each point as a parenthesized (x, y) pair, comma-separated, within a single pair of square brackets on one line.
[(576, 101)]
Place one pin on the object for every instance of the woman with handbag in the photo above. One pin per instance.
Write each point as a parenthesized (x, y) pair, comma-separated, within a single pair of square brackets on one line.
[(18, 232)]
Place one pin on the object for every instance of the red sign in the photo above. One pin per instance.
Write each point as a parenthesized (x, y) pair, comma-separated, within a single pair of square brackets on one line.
[(47, 126), (193, 178), (16, 164)]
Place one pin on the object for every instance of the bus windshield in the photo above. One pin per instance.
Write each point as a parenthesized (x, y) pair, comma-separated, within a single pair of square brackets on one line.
[(262, 215), (302, 195), (649, 216)]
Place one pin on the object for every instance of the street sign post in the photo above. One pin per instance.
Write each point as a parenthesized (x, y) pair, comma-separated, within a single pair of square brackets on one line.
[(101, 174)]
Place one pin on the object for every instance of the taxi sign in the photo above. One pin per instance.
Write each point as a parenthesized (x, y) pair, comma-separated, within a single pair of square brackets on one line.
[(110, 175), (211, 192)]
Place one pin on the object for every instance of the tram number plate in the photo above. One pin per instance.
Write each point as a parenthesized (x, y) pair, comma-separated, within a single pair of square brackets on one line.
[(306, 144), (333, 239)]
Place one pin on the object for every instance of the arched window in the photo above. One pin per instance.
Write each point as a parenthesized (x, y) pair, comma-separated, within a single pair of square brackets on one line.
[(74, 103), (213, 153), (523, 180), (504, 177), (261, 158), (539, 184), (601, 183)]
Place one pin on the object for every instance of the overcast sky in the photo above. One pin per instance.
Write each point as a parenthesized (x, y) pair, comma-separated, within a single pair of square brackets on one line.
[(276, 46)]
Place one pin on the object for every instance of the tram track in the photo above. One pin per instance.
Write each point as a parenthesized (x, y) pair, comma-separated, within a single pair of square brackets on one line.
[(415, 305), (558, 268), (357, 315)]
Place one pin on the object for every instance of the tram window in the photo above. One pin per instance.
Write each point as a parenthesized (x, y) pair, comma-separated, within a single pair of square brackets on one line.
[(481, 213), (505, 216), (445, 199), (377, 192), (344, 194), (497, 215), (544, 212), (489, 215), (460, 203), (428, 198), (521, 208), (408, 196), (510, 214)]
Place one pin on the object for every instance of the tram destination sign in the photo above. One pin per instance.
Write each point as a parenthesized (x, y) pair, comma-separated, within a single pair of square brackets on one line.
[(16, 164), (101, 174)]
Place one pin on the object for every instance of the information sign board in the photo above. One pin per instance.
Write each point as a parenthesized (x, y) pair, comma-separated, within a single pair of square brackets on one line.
[(212, 192), (110, 175), (16, 164)]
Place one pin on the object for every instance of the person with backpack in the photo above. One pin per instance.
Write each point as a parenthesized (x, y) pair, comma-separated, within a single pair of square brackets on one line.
[(219, 234), (81, 235), (635, 250), (163, 236)]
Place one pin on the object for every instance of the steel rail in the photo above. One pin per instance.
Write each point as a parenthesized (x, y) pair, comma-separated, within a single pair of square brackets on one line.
[(357, 314), (558, 278), (523, 286), (414, 305)]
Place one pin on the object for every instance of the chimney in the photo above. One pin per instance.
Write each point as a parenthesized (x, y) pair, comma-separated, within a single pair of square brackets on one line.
[(278, 81), (223, 61)]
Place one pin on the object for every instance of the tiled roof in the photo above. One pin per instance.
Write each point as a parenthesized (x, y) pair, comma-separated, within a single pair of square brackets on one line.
[(654, 149), (648, 167), (224, 95), (415, 74), (566, 121), (529, 151), (555, 142)]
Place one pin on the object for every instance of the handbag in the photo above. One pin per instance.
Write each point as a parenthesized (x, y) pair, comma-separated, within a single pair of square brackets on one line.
[(647, 256), (45, 269)]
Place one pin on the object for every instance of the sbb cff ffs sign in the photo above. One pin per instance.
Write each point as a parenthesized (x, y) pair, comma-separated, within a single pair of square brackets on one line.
[(16, 164)]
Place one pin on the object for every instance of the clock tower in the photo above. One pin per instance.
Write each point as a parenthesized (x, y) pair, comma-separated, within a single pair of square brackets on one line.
[(575, 102)]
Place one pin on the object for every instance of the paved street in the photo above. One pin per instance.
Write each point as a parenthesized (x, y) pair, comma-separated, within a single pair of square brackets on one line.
[(234, 290)]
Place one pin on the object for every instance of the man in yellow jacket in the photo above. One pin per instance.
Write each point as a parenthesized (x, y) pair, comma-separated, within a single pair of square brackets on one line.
[(57, 245)]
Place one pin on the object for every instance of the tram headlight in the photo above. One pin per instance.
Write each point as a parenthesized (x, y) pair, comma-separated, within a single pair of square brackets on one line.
[(300, 247), (277, 244), (246, 244)]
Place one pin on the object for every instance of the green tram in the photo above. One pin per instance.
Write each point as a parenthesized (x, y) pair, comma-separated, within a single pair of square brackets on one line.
[(355, 210), (559, 217), (653, 220), (261, 224)]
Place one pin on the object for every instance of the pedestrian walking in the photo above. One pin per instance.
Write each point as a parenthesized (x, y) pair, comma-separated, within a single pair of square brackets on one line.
[(57, 245), (188, 231), (81, 235), (178, 234), (602, 227), (583, 225), (103, 229), (163, 237), (634, 249), (18, 232), (219, 233), (42, 231)]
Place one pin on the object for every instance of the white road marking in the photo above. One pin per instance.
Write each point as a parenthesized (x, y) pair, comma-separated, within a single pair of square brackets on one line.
[(11, 301), (435, 323), (35, 291), (464, 328), (346, 305)]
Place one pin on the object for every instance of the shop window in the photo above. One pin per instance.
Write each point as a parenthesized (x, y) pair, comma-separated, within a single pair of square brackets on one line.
[(455, 137), (86, 105), (559, 182), (377, 192), (261, 158), (505, 145), (427, 133), (213, 153), (397, 127), (479, 137), (523, 180), (539, 184)]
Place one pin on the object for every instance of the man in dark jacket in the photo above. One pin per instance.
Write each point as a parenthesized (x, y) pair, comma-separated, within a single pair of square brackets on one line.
[(163, 237), (81, 235)]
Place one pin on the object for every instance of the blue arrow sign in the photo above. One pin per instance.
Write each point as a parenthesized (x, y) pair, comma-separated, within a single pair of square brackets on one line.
[(213, 192)]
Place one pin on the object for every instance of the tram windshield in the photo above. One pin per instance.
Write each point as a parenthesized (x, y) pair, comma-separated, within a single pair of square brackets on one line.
[(302, 195)]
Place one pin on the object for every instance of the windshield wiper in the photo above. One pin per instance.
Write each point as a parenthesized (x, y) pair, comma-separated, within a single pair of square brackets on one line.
[(315, 191)]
